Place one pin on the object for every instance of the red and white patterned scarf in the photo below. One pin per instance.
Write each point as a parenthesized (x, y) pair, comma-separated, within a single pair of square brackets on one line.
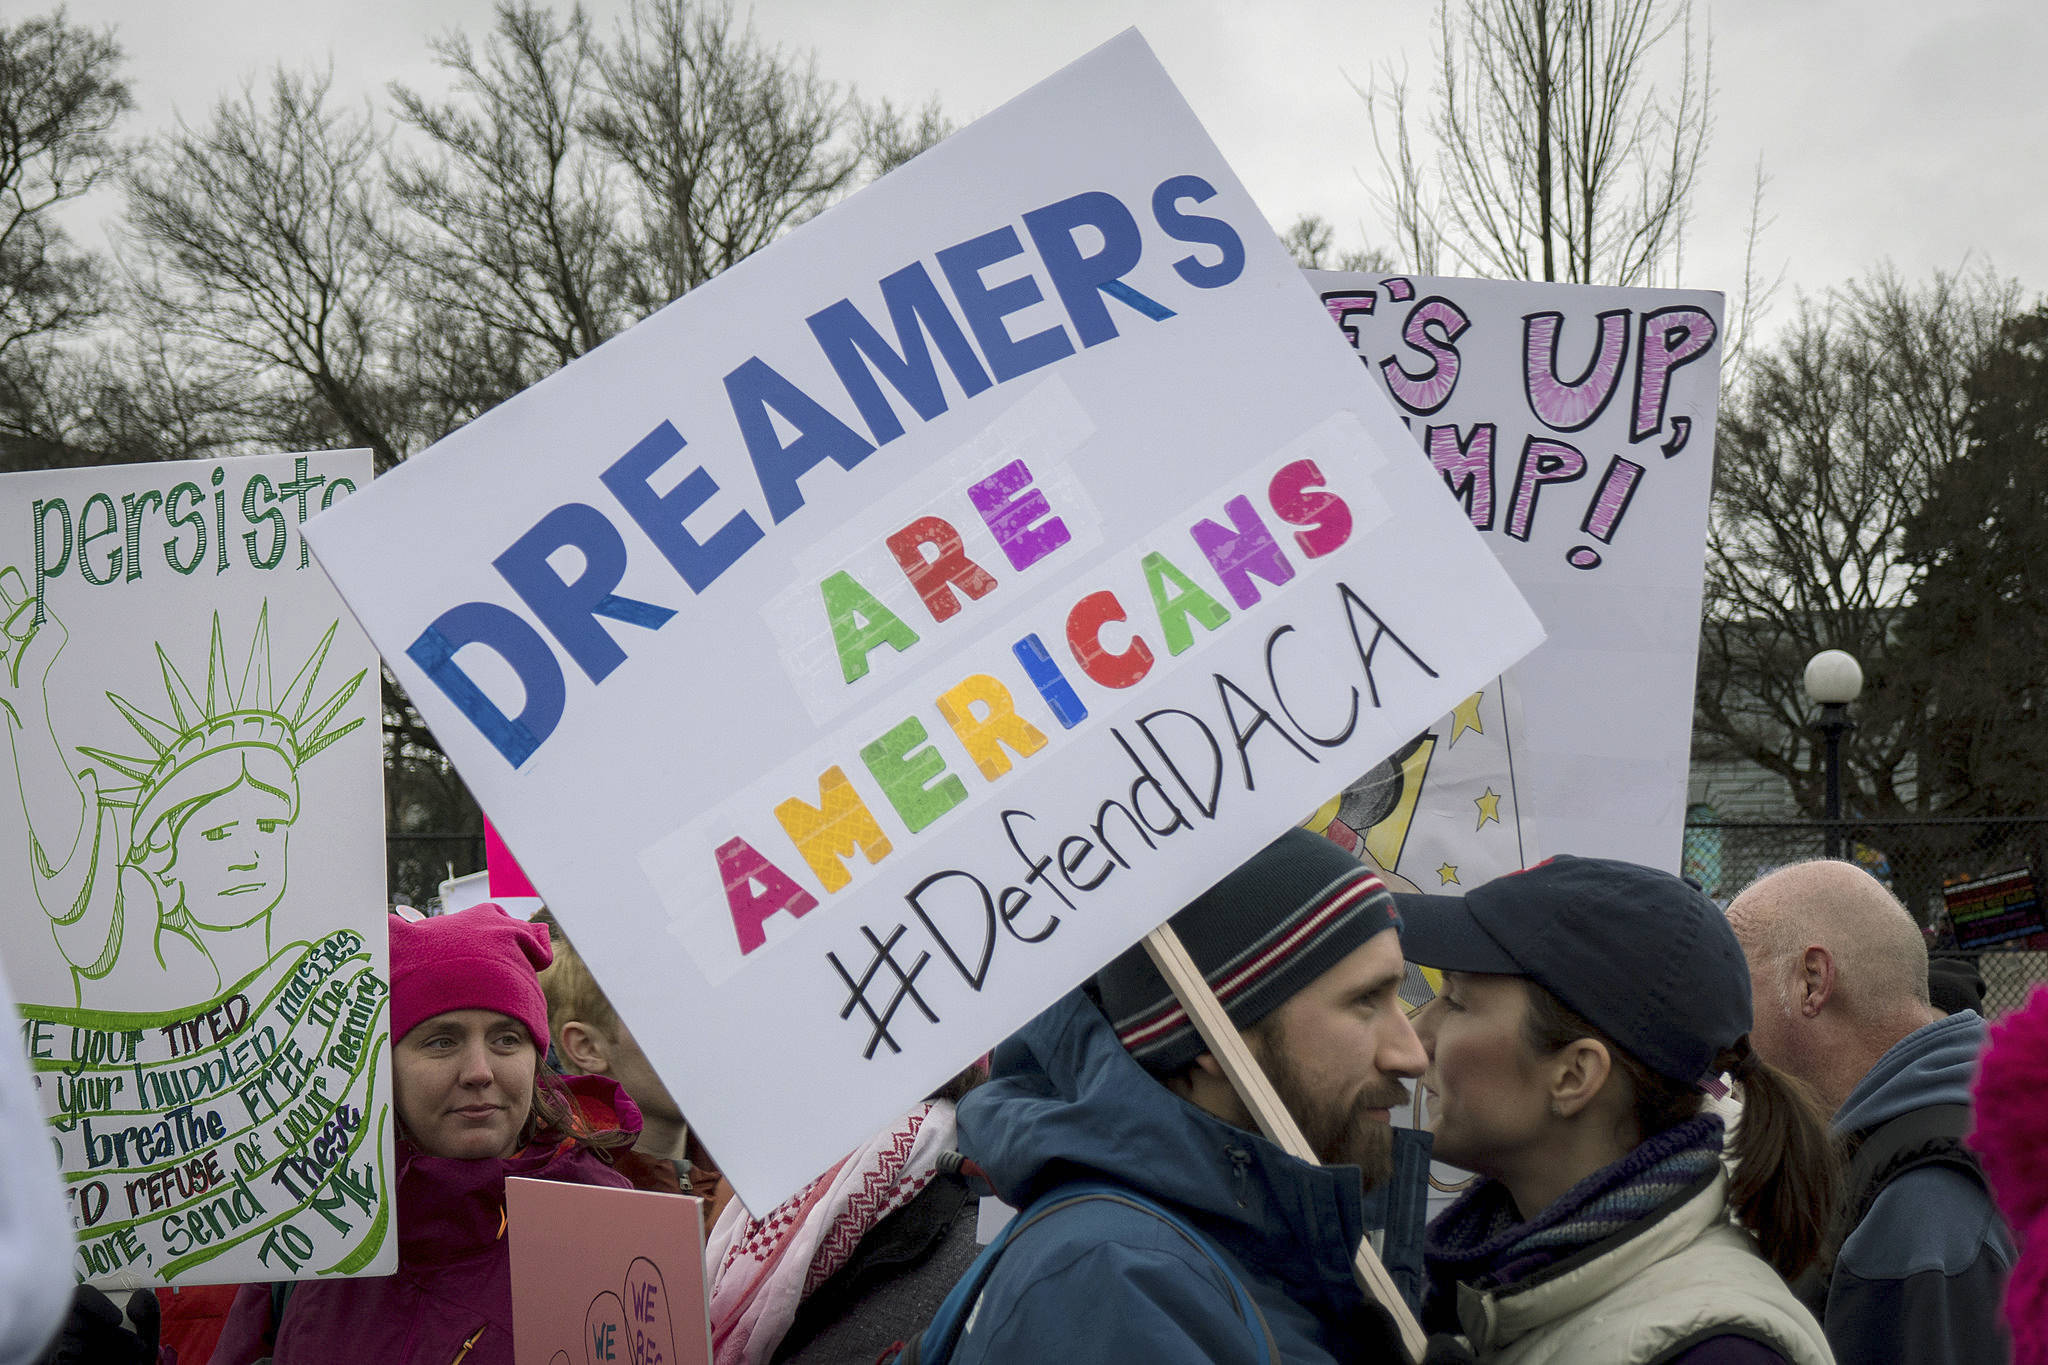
[(763, 1268)]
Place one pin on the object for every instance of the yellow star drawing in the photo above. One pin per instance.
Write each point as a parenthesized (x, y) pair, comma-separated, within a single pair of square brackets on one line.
[(1465, 716), (1446, 874), (1489, 808)]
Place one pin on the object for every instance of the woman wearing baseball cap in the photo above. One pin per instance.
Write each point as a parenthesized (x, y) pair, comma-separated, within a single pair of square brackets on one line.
[(475, 1104), (1588, 1009)]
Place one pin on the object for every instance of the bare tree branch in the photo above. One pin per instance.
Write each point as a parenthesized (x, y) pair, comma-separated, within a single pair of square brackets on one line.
[(1824, 459), (1554, 154), (256, 240)]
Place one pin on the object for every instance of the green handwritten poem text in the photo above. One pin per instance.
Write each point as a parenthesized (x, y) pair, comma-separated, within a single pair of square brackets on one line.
[(239, 1139)]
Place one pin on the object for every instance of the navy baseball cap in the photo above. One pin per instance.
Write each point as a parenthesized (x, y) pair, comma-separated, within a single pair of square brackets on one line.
[(1643, 956)]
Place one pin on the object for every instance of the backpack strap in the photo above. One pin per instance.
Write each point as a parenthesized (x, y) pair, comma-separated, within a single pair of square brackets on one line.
[(1921, 1137), (1876, 1156), (935, 1345)]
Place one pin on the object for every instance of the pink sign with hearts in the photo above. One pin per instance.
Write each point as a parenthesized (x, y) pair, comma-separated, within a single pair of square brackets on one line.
[(606, 1276)]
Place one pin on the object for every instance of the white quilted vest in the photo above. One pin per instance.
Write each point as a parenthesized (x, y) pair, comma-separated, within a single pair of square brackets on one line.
[(1669, 1283)]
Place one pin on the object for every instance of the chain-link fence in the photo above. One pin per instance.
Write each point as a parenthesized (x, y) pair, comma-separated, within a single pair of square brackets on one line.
[(1913, 857), (2009, 975), (1920, 860)]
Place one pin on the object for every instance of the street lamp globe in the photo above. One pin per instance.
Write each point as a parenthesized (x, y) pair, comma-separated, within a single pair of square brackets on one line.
[(1833, 677)]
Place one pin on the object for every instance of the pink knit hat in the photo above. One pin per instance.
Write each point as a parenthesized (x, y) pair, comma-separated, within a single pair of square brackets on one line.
[(2010, 1110), (475, 959)]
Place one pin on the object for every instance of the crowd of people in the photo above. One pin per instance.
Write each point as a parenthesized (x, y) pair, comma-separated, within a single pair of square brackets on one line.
[(1705, 1137)]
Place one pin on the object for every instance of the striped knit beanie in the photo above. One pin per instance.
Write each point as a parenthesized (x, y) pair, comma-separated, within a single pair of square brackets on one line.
[(1281, 920)]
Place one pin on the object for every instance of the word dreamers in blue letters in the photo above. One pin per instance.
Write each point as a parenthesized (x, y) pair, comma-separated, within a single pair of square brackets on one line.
[(1085, 245)]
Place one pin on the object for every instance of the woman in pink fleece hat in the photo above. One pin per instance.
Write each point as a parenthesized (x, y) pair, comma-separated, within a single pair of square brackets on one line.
[(475, 1105)]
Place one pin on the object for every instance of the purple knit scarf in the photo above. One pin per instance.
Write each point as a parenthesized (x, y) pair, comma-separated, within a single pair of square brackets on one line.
[(1483, 1241)]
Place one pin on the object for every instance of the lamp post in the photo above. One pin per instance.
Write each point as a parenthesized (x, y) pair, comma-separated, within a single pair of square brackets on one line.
[(1833, 679)]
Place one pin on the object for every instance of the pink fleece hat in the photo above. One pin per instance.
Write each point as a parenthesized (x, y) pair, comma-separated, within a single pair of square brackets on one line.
[(475, 959), (2010, 1112)]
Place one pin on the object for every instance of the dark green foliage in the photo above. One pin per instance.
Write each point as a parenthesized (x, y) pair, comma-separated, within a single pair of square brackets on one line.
[(1975, 637)]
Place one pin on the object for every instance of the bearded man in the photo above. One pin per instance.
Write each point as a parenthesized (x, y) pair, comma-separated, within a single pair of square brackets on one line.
[(1301, 946)]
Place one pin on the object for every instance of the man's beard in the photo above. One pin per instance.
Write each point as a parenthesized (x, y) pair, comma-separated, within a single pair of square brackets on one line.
[(1340, 1134)]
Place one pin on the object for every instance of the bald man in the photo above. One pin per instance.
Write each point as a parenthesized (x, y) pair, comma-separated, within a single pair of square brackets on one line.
[(1839, 976)]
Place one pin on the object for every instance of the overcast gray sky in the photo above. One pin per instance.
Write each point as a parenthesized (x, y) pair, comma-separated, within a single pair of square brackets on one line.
[(1891, 129)]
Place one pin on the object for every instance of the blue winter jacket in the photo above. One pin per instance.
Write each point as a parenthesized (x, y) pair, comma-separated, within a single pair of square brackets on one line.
[(1102, 1282), (1919, 1278)]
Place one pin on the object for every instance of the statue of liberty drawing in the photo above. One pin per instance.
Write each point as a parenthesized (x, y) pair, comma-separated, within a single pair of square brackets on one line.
[(160, 857)]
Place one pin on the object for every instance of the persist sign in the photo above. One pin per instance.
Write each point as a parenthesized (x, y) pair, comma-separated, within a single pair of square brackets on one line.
[(195, 924)]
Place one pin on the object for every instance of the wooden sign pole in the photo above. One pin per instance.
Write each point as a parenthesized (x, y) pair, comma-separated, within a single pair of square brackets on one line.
[(1227, 1046)]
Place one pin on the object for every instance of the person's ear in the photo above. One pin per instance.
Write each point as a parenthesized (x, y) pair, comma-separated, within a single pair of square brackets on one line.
[(1578, 1073), (1817, 980), (1204, 1084), (586, 1050), (1197, 1080)]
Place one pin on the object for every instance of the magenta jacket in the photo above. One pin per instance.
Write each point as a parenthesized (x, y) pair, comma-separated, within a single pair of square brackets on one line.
[(452, 1296)]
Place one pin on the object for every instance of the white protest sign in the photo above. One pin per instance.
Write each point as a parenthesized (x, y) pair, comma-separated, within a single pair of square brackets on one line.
[(867, 647), (1575, 426), (195, 922)]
